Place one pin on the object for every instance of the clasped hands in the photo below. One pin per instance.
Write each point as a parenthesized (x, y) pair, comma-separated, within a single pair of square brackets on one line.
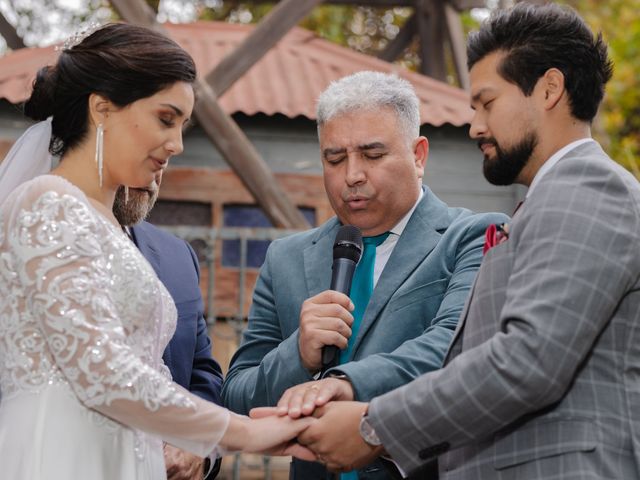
[(333, 437)]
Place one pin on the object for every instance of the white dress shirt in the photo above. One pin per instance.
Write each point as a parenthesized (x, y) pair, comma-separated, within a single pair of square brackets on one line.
[(549, 164), (383, 251)]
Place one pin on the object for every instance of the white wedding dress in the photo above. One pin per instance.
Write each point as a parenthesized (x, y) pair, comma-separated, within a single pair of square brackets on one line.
[(83, 324)]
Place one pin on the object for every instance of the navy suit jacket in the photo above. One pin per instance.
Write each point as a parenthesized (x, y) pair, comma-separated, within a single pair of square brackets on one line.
[(188, 354)]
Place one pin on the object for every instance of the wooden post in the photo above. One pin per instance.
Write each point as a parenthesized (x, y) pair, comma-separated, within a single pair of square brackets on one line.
[(223, 132), (10, 35), (137, 12), (431, 32), (467, 4), (368, 3), (396, 46), (457, 43), (254, 173), (267, 33)]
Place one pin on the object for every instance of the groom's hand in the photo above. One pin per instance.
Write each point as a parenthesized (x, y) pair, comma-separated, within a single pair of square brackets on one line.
[(335, 437), (303, 399)]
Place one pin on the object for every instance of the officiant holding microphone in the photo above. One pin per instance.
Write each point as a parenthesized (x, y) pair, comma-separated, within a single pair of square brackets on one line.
[(418, 261), (541, 379)]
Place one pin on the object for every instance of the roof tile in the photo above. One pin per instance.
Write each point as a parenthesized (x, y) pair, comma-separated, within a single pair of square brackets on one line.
[(287, 80)]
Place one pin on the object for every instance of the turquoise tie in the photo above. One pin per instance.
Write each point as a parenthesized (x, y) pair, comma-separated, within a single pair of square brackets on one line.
[(361, 290)]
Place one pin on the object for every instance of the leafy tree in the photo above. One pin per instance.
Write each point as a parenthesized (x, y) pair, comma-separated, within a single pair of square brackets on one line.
[(46, 22), (365, 29), (369, 30), (619, 119)]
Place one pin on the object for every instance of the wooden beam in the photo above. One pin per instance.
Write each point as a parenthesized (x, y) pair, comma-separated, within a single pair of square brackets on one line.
[(364, 3), (10, 35), (431, 27), (374, 3), (223, 132), (461, 5), (245, 161), (267, 33), (457, 44), (398, 45), (137, 12)]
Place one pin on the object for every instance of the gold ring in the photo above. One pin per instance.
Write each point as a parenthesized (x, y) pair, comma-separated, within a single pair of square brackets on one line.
[(314, 387)]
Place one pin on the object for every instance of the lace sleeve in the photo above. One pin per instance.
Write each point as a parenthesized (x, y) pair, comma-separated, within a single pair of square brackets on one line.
[(57, 242)]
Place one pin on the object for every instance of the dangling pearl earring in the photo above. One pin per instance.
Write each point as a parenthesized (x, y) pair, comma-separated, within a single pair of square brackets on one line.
[(99, 150), (126, 194)]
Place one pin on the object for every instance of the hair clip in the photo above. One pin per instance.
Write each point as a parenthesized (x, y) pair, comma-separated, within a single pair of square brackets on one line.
[(78, 37)]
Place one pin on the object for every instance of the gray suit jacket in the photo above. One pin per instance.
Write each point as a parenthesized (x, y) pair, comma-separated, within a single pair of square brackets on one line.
[(543, 377), (405, 331)]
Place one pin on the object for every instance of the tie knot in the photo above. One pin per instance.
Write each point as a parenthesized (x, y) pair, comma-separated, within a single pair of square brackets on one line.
[(377, 240)]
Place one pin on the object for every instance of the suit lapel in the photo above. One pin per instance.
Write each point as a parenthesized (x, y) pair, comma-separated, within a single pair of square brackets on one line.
[(147, 246), (317, 264), (418, 239), (149, 250)]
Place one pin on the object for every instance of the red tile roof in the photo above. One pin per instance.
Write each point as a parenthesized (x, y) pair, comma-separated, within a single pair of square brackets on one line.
[(287, 80)]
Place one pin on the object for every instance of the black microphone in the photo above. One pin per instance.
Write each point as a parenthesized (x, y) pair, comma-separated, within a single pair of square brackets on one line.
[(347, 250)]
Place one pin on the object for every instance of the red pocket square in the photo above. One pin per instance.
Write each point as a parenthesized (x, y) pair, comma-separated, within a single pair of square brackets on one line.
[(495, 235)]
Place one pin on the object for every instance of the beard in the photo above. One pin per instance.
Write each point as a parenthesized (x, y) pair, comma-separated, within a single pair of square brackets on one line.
[(507, 165), (141, 201)]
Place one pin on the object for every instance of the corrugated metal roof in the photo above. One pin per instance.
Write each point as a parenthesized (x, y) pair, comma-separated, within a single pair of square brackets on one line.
[(287, 80)]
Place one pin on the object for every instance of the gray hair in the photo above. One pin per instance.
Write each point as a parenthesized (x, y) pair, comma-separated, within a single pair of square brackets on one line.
[(371, 91)]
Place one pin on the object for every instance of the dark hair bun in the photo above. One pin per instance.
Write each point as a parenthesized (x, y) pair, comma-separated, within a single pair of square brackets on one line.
[(40, 105), (121, 62)]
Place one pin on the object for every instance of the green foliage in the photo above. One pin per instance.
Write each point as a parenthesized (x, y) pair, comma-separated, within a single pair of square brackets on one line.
[(235, 12), (42, 23), (618, 125), (365, 29), (369, 30), (620, 23)]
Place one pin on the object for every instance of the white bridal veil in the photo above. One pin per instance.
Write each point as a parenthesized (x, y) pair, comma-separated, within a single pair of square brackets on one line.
[(28, 158)]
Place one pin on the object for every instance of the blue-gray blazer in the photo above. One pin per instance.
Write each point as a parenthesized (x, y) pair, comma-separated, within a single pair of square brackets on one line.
[(409, 322), (406, 328)]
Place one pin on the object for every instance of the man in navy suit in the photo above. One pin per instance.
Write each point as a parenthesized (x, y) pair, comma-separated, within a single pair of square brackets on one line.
[(188, 354)]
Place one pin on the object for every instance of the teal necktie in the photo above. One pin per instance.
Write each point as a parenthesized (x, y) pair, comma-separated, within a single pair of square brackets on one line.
[(361, 290)]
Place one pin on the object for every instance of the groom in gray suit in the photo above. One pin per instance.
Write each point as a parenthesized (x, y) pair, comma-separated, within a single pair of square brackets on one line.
[(373, 161), (543, 377)]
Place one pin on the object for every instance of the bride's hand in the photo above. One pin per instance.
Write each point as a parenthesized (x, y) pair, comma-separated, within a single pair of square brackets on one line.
[(271, 435)]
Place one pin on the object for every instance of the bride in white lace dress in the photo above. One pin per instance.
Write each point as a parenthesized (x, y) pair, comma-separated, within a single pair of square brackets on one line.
[(83, 318)]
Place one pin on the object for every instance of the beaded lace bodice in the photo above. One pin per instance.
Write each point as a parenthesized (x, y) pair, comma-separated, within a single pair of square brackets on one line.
[(83, 309)]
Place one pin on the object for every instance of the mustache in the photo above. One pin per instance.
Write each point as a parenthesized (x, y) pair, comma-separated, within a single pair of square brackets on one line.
[(152, 188), (485, 140), (147, 190), (353, 193)]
